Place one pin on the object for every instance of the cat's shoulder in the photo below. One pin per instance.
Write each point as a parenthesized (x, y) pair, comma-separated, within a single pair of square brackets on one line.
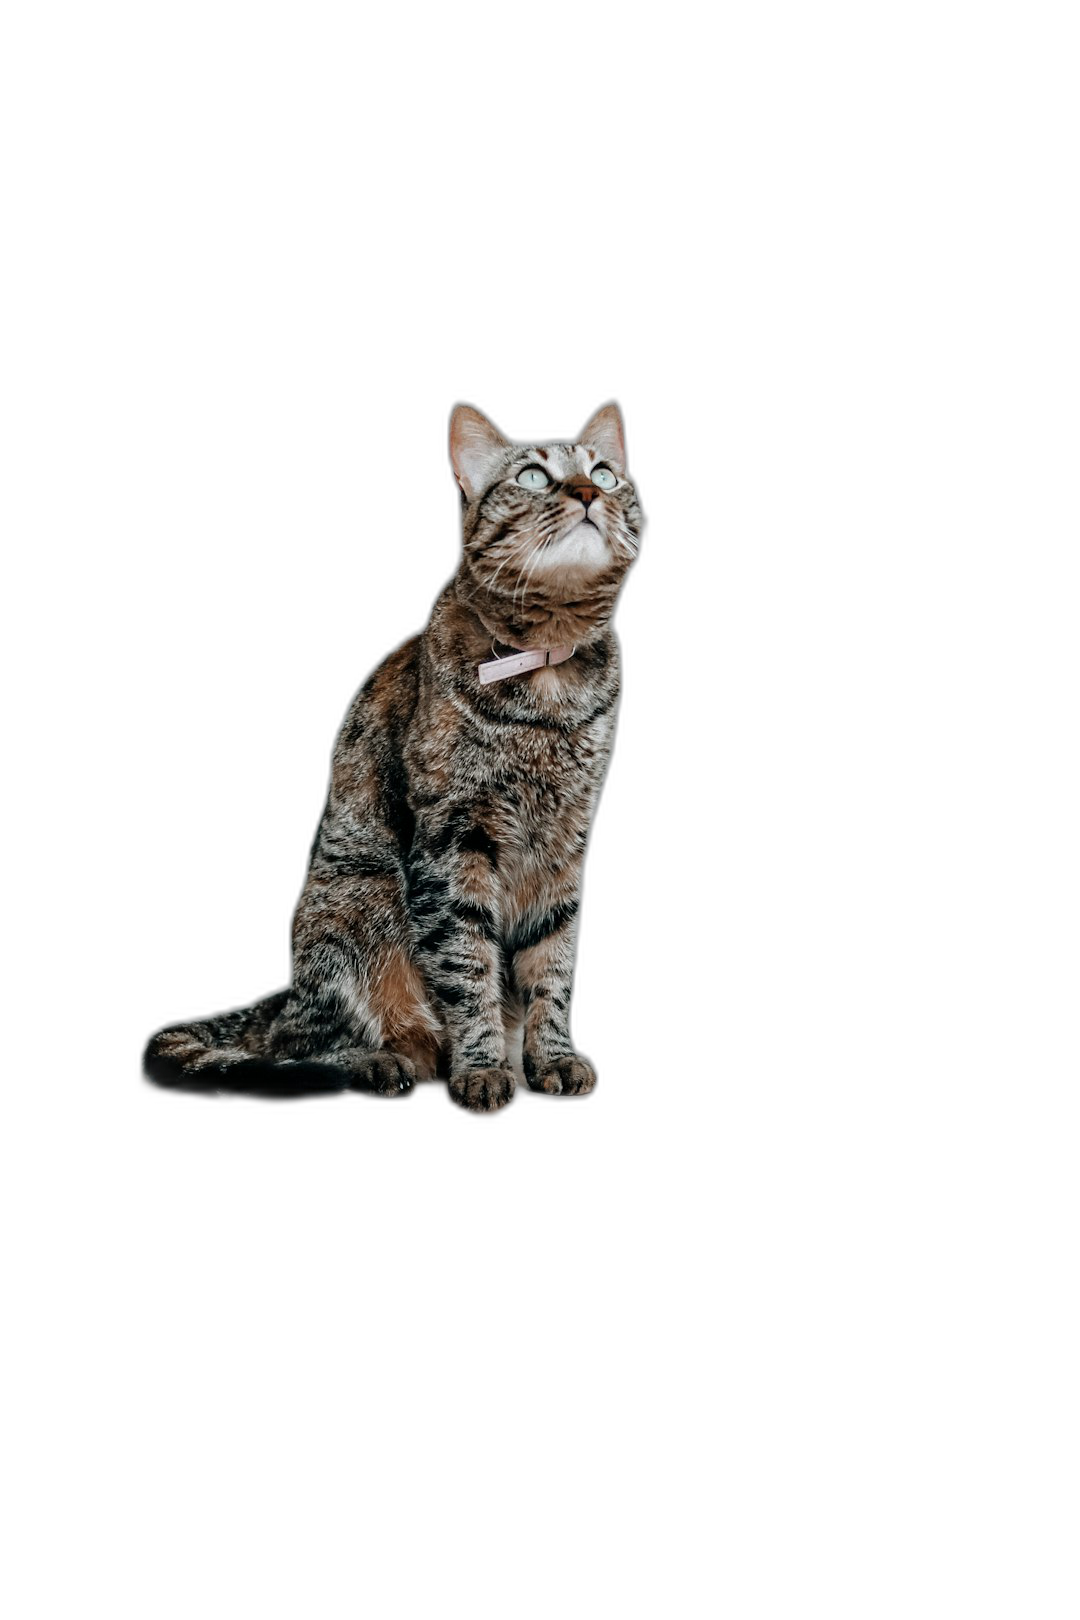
[(387, 698)]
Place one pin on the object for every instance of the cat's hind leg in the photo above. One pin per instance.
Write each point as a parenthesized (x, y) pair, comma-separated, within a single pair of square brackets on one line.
[(357, 1002)]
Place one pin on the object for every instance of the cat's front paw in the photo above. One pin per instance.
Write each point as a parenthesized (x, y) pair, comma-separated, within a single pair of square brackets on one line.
[(569, 1076), (385, 1073), (482, 1090)]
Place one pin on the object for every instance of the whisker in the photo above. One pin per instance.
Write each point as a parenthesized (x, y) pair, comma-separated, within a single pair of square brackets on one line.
[(520, 583), (525, 574), (511, 556)]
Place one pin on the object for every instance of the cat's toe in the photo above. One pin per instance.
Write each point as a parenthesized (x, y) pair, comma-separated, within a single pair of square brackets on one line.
[(482, 1090), (385, 1073), (570, 1076)]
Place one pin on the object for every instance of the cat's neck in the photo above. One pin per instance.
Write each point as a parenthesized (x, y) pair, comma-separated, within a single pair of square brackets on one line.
[(534, 623), (458, 642)]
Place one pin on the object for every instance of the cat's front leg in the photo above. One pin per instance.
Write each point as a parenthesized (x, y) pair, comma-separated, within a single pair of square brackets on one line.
[(543, 970), (454, 904)]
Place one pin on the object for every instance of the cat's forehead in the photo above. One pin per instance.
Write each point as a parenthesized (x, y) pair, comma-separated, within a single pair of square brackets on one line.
[(560, 460)]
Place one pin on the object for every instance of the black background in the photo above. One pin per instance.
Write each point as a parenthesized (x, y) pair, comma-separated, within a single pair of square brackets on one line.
[(301, 519)]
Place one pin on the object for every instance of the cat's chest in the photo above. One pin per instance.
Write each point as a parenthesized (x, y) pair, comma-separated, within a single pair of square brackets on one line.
[(543, 781), (532, 787), (538, 815), (529, 784), (538, 797)]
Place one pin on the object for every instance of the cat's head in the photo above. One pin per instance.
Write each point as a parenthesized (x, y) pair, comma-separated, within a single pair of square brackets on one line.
[(549, 530)]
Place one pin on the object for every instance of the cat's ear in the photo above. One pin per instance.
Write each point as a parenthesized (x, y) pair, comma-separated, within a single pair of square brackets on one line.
[(604, 431), (476, 447)]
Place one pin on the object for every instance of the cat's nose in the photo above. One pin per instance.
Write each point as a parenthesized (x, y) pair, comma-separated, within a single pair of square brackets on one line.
[(583, 489)]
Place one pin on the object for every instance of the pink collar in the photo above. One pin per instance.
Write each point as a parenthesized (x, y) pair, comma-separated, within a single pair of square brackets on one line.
[(518, 663)]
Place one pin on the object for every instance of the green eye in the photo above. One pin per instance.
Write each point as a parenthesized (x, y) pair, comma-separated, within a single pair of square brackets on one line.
[(604, 477), (533, 478)]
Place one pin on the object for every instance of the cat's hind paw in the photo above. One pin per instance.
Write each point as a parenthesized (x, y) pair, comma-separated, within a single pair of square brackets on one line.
[(569, 1076), (482, 1090), (387, 1074)]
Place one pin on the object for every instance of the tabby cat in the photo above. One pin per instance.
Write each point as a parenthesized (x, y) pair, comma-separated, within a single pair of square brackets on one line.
[(440, 907)]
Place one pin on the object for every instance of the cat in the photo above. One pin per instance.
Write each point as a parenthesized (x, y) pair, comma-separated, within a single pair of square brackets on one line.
[(441, 902)]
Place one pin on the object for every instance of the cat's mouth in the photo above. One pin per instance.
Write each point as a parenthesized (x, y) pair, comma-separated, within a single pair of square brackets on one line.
[(582, 544), (584, 525)]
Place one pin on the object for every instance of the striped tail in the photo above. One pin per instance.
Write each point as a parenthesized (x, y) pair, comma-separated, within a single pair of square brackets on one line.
[(231, 1053)]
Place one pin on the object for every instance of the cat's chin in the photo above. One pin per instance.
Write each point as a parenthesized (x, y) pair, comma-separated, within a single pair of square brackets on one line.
[(582, 549)]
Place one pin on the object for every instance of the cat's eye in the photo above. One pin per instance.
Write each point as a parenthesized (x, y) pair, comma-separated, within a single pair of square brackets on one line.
[(604, 477), (533, 478)]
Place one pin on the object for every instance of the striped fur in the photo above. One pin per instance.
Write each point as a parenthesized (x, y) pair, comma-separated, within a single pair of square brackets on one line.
[(441, 903)]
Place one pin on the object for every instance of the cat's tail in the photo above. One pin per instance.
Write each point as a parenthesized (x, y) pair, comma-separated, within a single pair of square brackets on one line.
[(230, 1053)]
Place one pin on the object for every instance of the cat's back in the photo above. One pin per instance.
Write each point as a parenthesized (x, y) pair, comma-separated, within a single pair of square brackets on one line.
[(372, 735)]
